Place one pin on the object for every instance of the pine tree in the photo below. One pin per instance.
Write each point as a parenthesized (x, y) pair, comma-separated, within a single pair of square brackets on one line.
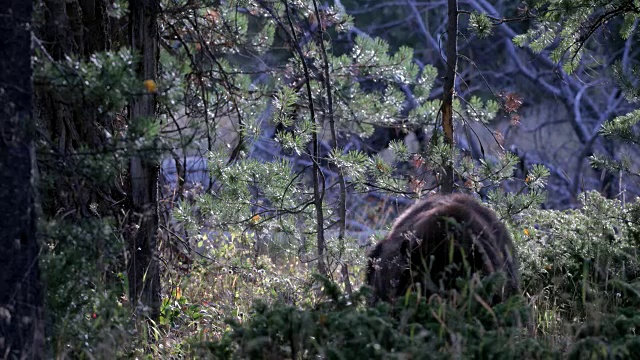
[(569, 28)]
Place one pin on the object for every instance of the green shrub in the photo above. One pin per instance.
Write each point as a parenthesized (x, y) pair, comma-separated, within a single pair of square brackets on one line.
[(81, 271), (344, 328), (581, 291), (578, 260)]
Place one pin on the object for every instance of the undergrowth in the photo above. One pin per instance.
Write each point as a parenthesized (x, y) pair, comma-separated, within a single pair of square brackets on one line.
[(580, 298)]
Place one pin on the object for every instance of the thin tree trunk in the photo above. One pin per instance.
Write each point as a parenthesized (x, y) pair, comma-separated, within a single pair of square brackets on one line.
[(318, 195), (21, 293), (316, 174), (143, 269), (342, 204), (449, 89)]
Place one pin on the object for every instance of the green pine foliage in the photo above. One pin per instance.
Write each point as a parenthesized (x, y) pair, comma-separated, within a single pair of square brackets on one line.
[(567, 28), (367, 85)]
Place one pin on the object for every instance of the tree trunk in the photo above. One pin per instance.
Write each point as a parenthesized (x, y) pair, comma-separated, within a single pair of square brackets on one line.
[(76, 29), (342, 202), (21, 294), (449, 90), (143, 269)]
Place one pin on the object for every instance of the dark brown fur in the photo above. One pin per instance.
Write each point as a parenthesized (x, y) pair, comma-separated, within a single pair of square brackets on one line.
[(435, 241)]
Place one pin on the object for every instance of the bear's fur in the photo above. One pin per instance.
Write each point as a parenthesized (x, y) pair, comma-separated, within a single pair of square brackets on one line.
[(436, 241)]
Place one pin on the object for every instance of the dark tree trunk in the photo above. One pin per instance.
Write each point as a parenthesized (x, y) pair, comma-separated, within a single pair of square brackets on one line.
[(76, 29), (143, 270), (21, 294), (80, 28)]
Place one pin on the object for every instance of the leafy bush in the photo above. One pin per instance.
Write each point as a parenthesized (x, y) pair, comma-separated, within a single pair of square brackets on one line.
[(84, 305), (581, 288), (577, 260)]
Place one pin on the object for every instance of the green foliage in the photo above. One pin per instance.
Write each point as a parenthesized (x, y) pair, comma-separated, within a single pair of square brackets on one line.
[(477, 110), (253, 233), (106, 81), (354, 164), (481, 24), (118, 9), (84, 282), (142, 135), (613, 338), (627, 80), (567, 26), (368, 84), (622, 127), (101, 87), (549, 29), (629, 25), (370, 60), (83, 146), (343, 328), (578, 260), (83, 254), (580, 273), (530, 195), (284, 102), (580, 269), (245, 180), (399, 150)]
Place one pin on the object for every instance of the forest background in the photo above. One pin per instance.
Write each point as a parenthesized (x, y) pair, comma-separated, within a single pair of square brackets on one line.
[(192, 178)]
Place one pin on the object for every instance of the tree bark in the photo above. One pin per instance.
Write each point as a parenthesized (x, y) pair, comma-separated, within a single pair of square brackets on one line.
[(76, 29), (342, 202), (143, 269), (449, 90), (21, 293)]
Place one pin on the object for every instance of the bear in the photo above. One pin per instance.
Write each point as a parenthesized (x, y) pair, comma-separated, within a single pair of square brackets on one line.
[(438, 240)]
